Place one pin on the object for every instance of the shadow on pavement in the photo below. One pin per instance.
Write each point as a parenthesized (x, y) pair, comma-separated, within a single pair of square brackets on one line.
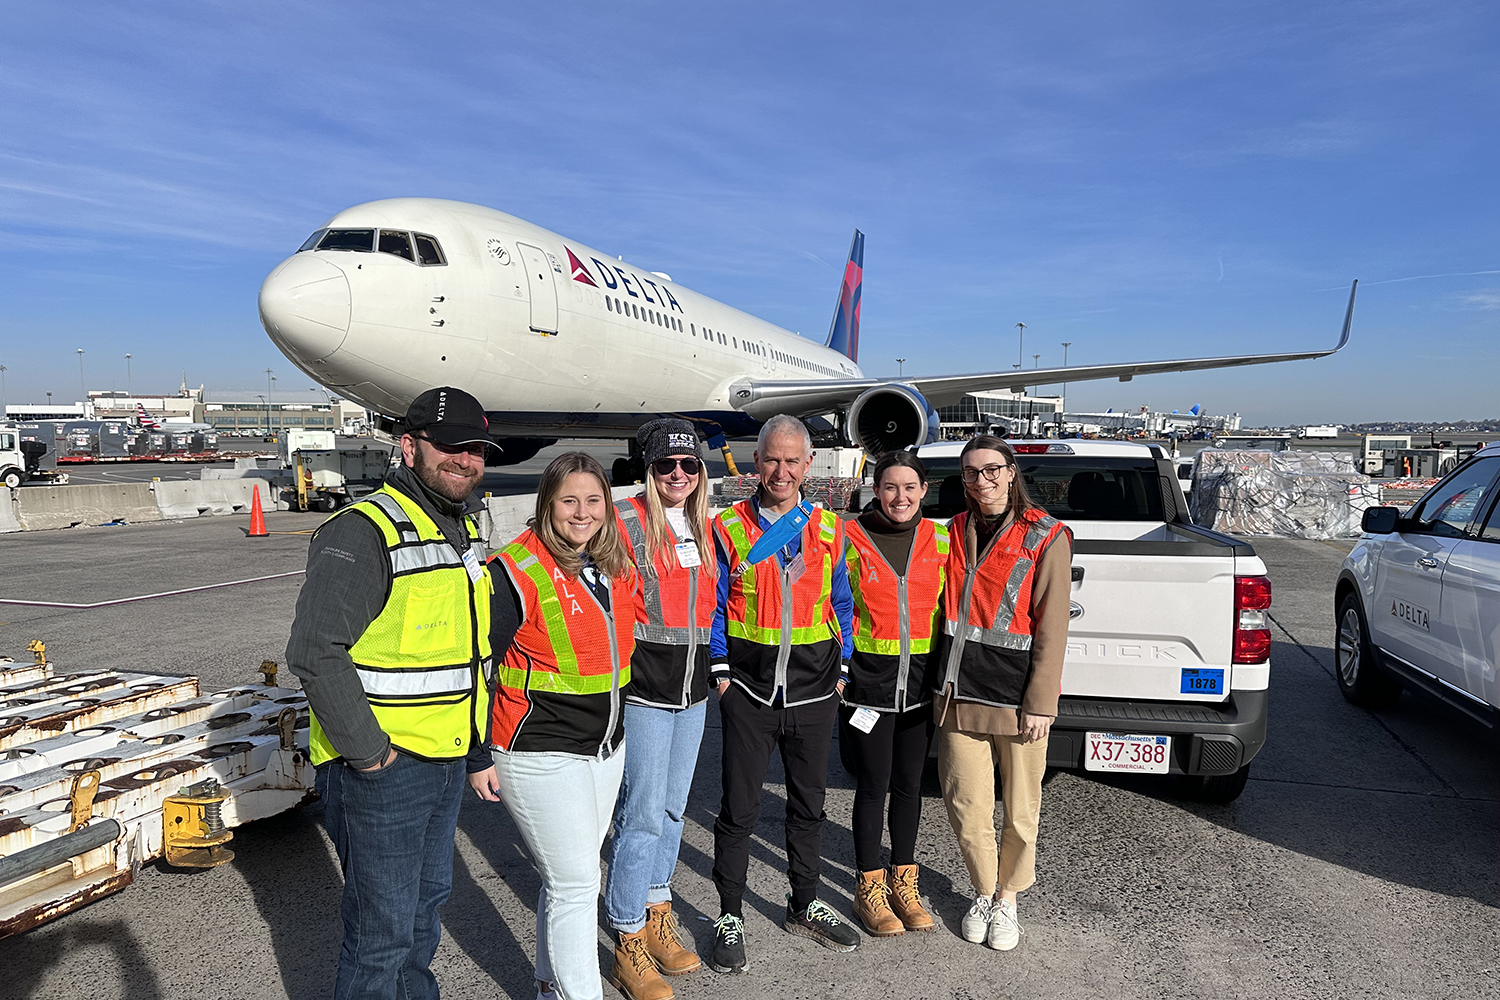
[(138, 977), (483, 933)]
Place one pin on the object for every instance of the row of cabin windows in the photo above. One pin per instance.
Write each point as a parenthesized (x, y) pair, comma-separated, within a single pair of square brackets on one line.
[(419, 248), (649, 315), (618, 305)]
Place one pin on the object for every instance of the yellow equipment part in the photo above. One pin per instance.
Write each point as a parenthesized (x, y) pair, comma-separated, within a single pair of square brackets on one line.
[(193, 830)]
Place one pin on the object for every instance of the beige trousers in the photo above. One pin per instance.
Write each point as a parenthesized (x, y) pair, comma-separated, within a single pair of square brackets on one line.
[(966, 768)]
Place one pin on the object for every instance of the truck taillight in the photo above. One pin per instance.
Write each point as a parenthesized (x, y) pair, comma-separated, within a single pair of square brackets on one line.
[(1252, 634)]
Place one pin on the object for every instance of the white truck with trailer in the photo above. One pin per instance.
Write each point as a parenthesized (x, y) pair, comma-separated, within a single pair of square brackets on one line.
[(324, 476), (1168, 660), (21, 461)]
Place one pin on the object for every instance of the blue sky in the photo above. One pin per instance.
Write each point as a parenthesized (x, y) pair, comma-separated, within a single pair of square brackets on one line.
[(1143, 180)]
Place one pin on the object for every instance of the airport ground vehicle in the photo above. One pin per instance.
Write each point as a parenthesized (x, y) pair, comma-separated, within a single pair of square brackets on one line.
[(1418, 598), (1168, 663), (21, 461), (325, 477), (1252, 442)]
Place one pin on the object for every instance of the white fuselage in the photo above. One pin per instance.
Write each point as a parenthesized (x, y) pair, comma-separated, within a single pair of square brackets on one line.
[(551, 335)]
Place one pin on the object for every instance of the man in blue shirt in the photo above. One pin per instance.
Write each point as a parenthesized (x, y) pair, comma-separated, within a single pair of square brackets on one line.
[(778, 677)]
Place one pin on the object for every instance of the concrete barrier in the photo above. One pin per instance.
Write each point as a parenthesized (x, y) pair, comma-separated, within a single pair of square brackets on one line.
[(8, 520), (191, 498), (67, 506)]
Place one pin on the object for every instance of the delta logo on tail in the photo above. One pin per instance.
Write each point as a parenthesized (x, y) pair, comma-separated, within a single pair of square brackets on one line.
[(145, 419), (843, 333), (580, 273)]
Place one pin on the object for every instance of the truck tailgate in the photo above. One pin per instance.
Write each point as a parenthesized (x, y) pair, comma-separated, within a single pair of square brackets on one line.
[(1152, 614)]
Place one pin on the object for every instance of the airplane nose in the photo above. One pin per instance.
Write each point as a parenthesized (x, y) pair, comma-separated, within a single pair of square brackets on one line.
[(304, 306)]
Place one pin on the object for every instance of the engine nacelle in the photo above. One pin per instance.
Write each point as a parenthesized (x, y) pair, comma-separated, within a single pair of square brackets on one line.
[(891, 417)]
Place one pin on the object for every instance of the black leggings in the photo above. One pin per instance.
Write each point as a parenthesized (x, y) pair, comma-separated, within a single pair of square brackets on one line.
[(889, 758)]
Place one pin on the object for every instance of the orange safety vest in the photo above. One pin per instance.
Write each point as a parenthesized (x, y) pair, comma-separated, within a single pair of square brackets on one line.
[(895, 617), (782, 633), (568, 646), (987, 609), (670, 665)]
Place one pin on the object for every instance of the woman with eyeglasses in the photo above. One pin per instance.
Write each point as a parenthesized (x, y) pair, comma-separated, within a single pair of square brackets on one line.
[(672, 544), (999, 677), (897, 562), (566, 602)]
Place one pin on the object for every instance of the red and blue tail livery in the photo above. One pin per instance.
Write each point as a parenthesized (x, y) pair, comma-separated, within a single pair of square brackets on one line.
[(843, 333)]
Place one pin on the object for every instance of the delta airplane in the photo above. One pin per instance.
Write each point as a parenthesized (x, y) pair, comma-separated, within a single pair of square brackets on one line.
[(559, 339)]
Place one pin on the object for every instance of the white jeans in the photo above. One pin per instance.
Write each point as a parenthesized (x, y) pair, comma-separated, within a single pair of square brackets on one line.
[(563, 806)]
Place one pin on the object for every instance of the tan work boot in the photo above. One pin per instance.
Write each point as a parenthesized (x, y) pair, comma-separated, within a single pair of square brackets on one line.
[(634, 973), (872, 905), (664, 940), (906, 901)]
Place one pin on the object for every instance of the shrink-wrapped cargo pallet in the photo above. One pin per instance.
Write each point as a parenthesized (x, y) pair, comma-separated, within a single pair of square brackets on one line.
[(1292, 494)]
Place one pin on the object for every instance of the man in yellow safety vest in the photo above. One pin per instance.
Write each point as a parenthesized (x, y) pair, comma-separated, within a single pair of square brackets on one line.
[(392, 643)]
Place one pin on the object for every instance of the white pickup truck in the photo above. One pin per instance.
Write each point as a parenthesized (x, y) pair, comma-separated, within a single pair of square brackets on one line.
[(1168, 663)]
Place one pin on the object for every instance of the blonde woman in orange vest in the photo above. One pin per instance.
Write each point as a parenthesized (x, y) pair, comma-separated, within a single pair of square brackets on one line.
[(1005, 607), (557, 729), (671, 540), (897, 561)]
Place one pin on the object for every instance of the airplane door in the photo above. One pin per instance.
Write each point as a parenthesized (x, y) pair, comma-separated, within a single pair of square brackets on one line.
[(543, 288)]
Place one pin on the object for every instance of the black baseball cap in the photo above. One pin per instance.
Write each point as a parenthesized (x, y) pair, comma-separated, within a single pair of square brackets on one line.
[(448, 416)]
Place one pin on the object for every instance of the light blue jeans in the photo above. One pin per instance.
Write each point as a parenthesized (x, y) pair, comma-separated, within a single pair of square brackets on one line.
[(562, 807), (659, 764)]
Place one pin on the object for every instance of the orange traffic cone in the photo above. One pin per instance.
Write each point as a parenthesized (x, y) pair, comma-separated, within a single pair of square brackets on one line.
[(257, 517)]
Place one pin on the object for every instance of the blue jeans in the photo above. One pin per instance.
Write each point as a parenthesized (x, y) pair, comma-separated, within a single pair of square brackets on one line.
[(393, 830), (660, 757)]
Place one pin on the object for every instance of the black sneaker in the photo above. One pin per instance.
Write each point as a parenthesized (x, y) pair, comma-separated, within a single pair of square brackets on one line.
[(728, 954), (820, 923)]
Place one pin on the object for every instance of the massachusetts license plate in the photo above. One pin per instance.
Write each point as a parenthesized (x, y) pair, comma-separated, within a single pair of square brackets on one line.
[(1127, 752)]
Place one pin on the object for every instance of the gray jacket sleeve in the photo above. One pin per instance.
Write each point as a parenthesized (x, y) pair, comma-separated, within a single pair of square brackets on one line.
[(348, 581)]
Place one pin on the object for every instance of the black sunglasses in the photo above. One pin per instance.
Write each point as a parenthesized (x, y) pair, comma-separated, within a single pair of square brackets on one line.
[(664, 466)]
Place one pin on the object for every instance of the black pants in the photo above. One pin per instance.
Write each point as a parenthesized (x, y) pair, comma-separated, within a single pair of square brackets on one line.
[(887, 759), (804, 735)]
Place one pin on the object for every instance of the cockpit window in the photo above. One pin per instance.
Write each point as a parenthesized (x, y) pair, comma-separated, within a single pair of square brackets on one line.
[(428, 249), (312, 240), (397, 243), (348, 239)]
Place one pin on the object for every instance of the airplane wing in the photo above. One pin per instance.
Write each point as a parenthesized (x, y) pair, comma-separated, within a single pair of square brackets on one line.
[(763, 398)]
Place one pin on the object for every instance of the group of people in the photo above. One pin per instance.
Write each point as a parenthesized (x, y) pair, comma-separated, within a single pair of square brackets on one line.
[(568, 678)]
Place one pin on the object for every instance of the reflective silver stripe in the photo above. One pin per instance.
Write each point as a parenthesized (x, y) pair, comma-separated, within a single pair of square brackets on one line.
[(1007, 610), (650, 584), (672, 636), (427, 556), (989, 636), (394, 683), (398, 517)]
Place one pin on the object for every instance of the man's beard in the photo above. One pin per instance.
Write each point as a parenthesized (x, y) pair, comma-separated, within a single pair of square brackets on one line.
[(433, 480)]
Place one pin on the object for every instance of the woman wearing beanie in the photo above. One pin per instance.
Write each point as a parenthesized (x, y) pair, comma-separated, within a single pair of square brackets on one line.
[(999, 678), (897, 561), (671, 543)]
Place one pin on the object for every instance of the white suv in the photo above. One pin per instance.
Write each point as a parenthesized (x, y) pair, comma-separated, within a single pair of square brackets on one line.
[(1418, 600)]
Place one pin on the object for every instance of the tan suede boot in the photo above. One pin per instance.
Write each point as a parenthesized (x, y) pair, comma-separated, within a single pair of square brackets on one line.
[(872, 905), (906, 901), (634, 973), (665, 941)]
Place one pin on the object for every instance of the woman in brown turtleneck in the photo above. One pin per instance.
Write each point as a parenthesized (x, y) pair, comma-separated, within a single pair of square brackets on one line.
[(897, 560), (998, 679)]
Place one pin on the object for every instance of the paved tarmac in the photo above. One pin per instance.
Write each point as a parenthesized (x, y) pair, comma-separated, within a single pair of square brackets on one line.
[(1360, 861)]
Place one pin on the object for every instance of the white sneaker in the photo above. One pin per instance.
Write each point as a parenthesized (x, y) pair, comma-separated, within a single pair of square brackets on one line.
[(975, 924), (1005, 928)]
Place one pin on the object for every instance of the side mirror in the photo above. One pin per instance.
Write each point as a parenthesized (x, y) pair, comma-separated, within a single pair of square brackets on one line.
[(1379, 520)]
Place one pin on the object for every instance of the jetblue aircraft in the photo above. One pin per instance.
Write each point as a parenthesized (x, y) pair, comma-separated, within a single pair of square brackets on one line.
[(557, 338)]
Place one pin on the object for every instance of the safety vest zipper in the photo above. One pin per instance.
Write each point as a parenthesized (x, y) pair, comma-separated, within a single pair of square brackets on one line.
[(784, 649), (692, 653), (614, 661)]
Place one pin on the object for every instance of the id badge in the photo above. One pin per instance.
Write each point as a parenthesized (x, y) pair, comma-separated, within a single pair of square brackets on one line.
[(687, 555), (864, 719), (472, 566), (796, 568)]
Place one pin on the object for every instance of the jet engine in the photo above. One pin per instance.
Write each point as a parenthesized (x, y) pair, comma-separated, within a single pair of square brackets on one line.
[(891, 417)]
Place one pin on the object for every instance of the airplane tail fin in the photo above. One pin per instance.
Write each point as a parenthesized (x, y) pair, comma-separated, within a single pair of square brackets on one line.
[(843, 332), (144, 419)]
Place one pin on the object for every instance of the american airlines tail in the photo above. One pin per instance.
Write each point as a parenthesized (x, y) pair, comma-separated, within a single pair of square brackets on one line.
[(843, 332)]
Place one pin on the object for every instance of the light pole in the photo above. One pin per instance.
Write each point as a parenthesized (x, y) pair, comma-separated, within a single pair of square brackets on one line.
[(127, 376), (269, 377), (1065, 345), (2, 392), (1036, 361), (900, 367), (268, 411), (1021, 345), (82, 382)]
